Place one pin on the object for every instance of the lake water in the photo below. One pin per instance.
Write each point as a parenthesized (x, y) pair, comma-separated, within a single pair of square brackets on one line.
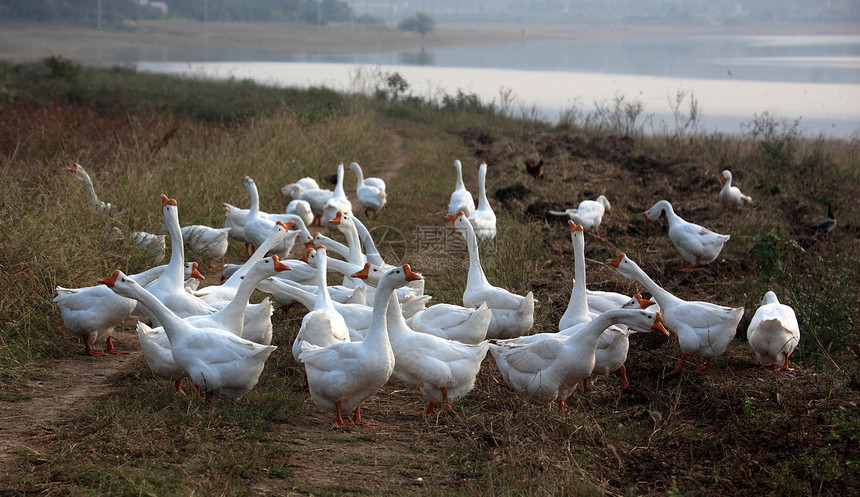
[(733, 78)]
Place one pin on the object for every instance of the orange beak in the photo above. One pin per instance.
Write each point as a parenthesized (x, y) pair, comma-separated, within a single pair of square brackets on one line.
[(304, 258), (646, 218), (286, 225), (365, 271), (617, 261), (337, 218), (644, 303), (74, 168), (279, 266), (167, 201), (410, 276), (280, 194), (658, 325), (195, 273), (111, 280), (309, 243), (574, 227), (722, 177)]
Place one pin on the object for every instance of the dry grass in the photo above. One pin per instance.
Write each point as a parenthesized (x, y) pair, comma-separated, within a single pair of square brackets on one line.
[(737, 429)]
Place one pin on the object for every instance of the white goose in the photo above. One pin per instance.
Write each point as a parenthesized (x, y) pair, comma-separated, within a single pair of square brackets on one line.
[(150, 243), (588, 214), (81, 174), (577, 308), (370, 191), (343, 221), (548, 370), (773, 332), (453, 322), (169, 287), (461, 199), (513, 314), (210, 242), (338, 201), (315, 197), (218, 362), (702, 328), (443, 370), (302, 209), (93, 312), (731, 197), (156, 345), (258, 225), (342, 375), (483, 218), (306, 183), (697, 244), (323, 325)]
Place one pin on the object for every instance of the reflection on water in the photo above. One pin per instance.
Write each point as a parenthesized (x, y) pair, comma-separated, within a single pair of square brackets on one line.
[(421, 58), (815, 78)]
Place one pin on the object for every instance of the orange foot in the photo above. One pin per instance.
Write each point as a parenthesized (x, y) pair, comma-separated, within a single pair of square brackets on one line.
[(356, 418), (678, 367), (624, 382), (89, 349), (110, 349), (703, 367)]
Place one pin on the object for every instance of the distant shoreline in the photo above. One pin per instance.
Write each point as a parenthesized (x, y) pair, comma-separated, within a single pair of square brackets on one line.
[(24, 42)]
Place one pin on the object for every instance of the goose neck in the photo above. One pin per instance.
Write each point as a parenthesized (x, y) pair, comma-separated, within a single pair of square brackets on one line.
[(353, 244), (233, 314), (176, 266), (579, 298), (476, 271), (371, 252), (173, 325), (483, 203), (378, 331), (255, 200), (661, 295), (358, 174), (459, 169), (338, 189), (323, 300), (90, 189)]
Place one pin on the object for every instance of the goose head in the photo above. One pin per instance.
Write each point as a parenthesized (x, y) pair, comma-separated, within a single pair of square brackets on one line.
[(726, 175), (606, 205), (79, 171), (624, 265), (460, 221), (195, 273), (654, 212), (769, 298), (643, 303), (370, 274), (121, 284), (307, 257), (400, 274)]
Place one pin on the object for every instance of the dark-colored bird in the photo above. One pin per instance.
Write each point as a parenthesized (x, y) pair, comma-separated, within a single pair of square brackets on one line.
[(825, 226), (535, 170)]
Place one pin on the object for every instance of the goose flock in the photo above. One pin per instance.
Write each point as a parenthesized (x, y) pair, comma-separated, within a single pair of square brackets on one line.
[(376, 323)]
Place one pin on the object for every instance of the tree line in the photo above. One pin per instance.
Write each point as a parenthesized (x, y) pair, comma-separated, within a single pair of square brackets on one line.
[(88, 12)]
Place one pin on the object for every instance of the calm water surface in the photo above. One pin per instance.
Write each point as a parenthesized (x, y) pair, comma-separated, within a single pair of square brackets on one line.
[(812, 78)]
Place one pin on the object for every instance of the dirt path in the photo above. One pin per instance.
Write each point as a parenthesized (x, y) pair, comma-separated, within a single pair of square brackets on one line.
[(26, 426)]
